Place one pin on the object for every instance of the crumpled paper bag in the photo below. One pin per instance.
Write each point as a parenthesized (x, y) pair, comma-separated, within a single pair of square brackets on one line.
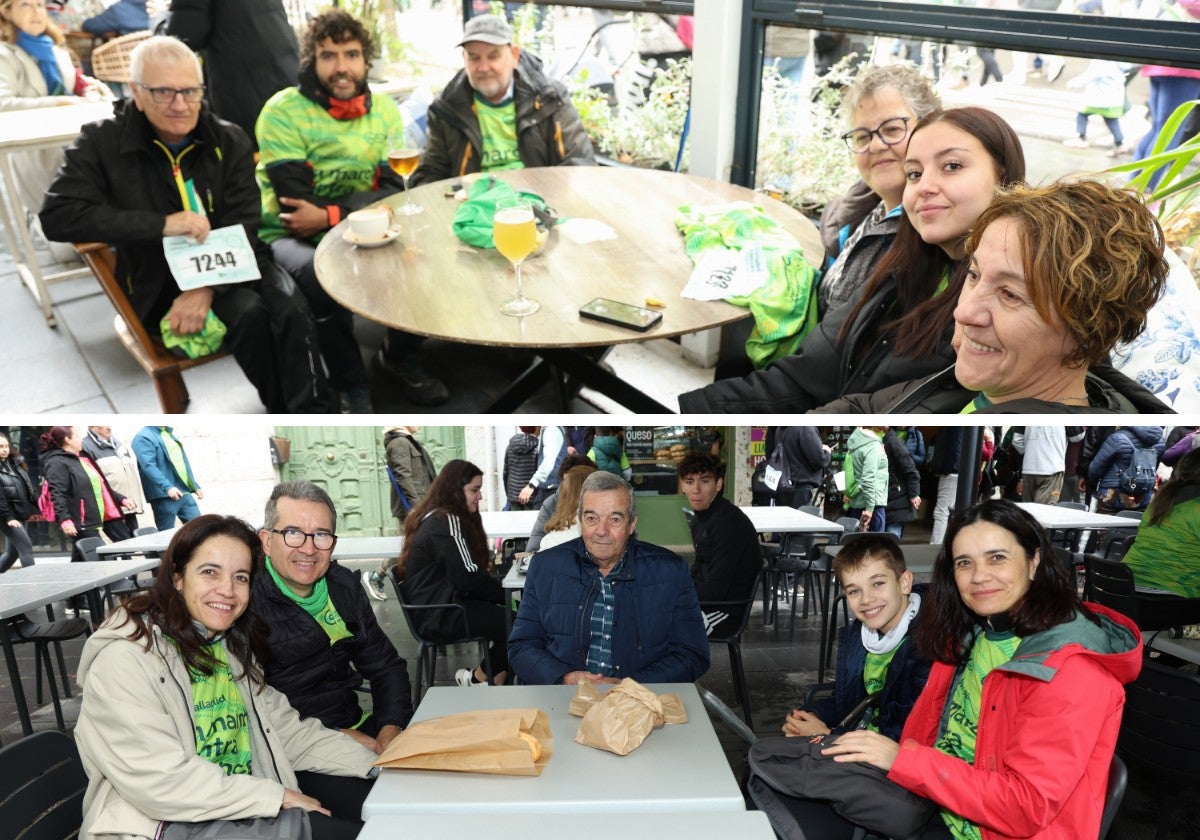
[(486, 741), (621, 719)]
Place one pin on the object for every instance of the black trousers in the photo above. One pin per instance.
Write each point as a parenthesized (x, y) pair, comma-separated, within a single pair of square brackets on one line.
[(488, 620), (343, 796)]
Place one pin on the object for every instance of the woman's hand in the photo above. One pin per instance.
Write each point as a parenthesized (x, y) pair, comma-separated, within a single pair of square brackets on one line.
[(296, 799), (364, 739), (68, 527), (14, 523), (864, 746), (803, 724), (128, 504)]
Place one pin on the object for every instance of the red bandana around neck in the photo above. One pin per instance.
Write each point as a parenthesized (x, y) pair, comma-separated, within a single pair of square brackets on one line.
[(348, 109)]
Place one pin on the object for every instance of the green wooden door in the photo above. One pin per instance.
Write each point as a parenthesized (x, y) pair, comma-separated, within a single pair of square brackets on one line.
[(348, 462)]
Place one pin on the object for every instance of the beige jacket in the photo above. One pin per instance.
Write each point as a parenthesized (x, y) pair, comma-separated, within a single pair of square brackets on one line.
[(136, 737), (22, 84)]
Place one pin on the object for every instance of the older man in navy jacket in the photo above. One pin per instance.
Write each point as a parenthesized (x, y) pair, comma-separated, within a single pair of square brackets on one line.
[(606, 606)]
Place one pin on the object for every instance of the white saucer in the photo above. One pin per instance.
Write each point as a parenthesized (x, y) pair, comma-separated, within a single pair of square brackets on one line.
[(349, 236)]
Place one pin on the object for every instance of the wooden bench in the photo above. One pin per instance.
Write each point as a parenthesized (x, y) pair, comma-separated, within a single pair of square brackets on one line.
[(165, 368)]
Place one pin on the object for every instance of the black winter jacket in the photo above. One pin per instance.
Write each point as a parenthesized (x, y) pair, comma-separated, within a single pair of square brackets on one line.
[(904, 481), (71, 490), (806, 458), (728, 558), (249, 49), (549, 131), (116, 185), (320, 679), (823, 369), (441, 570), (17, 499), (1109, 392)]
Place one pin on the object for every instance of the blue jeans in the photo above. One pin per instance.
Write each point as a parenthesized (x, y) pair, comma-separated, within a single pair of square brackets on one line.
[(1166, 94), (896, 528), (165, 510), (878, 523)]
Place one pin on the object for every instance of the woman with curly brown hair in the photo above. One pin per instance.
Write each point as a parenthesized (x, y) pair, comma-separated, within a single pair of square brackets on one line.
[(445, 559), (1056, 277)]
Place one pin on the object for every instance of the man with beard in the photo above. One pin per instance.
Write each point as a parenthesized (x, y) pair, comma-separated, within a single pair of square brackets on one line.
[(323, 153)]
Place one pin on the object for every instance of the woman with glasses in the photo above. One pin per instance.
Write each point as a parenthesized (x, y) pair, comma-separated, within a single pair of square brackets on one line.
[(178, 725), (899, 327), (445, 559)]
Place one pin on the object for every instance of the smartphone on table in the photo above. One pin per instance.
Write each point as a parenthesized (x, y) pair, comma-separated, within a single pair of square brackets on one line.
[(621, 314)]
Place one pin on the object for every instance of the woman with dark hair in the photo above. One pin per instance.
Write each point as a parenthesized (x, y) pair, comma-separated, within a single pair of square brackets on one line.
[(1014, 732), (84, 501), (1166, 553), (17, 504), (445, 559), (174, 677), (899, 326)]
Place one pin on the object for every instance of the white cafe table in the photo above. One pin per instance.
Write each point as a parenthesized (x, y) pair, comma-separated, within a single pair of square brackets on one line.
[(742, 825), (1057, 517), (781, 519), (25, 589), (30, 130), (677, 769)]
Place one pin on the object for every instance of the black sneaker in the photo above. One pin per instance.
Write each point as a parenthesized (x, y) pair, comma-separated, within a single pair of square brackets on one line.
[(420, 386)]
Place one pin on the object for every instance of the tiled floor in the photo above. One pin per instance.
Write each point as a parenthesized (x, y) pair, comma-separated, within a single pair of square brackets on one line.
[(778, 671)]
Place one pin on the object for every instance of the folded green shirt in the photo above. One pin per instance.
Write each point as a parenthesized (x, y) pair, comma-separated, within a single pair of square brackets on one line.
[(204, 343)]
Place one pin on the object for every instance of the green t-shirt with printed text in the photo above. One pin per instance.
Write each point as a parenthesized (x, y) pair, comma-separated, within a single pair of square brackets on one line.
[(498, 127)]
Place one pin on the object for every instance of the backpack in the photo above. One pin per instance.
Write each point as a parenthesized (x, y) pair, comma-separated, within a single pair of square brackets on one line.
[(776, 474), (1139, 477), (45, 503)]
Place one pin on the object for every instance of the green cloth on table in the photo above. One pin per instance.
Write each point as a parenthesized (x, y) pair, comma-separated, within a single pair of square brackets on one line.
[(473, 220), (203, 343), (784, 308)]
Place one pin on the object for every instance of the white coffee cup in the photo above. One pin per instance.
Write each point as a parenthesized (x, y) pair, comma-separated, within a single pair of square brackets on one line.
[(370, 223)]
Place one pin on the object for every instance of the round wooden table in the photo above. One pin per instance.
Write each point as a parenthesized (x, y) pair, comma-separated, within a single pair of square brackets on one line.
[(431, 283)]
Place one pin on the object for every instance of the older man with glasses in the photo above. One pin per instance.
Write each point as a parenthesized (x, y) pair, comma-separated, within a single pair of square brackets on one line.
[(164, 166), (322, 635)]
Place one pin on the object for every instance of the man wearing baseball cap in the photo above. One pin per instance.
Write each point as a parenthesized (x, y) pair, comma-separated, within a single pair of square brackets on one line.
[(500, 112)]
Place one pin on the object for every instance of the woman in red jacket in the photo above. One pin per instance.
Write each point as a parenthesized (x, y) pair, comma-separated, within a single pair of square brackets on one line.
[(1015, 730)]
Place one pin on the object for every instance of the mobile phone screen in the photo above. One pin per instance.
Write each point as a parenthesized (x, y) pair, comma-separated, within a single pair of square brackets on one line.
[(621, 314)]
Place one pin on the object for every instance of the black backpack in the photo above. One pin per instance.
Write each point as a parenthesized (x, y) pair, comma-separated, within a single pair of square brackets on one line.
[(1139, 477)]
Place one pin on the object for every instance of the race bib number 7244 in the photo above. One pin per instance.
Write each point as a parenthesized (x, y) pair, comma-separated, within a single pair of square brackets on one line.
[(225, 256)]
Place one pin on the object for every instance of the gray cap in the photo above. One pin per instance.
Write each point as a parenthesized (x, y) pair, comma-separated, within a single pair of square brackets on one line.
[(490, 29)]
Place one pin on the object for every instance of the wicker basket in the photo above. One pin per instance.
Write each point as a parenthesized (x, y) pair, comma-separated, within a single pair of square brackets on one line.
[(110, 60)]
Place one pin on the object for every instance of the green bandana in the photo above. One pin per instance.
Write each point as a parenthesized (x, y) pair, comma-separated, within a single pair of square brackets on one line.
[(222, 725), (317, 605), (204, 343), (473, 220)]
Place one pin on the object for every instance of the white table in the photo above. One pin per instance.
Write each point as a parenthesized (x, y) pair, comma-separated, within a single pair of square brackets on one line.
[(25, 589), (780, 519), (678, 769), (743, 825), (1186, 649), (1055, 517), (30, 130), (497, 524)]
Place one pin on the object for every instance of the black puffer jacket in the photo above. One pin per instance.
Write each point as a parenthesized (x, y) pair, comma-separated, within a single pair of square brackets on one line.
[(71, 490), (823, 369), (904, 481), (1109, 392), (249, 49), (17, 499), (320, 679), (117, 185), (549, 131), (442, 570)]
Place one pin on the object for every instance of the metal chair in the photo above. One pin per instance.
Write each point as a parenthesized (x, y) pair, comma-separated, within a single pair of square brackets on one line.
[(1110, 583), (734, 642), (427, 646), (41, 787), (1160, 734)]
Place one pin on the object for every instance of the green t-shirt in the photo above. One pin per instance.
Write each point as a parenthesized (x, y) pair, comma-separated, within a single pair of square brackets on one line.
[(222, 726), (875, 674), (978, 404), (498, 127), (962, 721)]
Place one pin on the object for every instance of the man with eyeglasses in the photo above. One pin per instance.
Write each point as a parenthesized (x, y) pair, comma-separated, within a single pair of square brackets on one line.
[(165, 166), (323, 637)]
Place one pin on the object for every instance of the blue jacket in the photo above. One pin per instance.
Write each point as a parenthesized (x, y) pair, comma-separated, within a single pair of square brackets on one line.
[(906, 677), (158, 473), (122, 17), (1116, 454), (658, 629)]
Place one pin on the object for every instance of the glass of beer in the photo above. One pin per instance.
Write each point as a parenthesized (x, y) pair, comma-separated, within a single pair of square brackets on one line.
[(403, 159), (515, 234)]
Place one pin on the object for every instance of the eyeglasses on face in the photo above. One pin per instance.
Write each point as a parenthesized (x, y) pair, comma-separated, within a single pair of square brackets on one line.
[(166, 95), (891, 131), (294, 538)]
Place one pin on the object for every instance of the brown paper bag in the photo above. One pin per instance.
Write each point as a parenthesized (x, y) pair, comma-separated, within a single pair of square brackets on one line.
[(586, 696), (673, 711), (486, 741), (622, 720)]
